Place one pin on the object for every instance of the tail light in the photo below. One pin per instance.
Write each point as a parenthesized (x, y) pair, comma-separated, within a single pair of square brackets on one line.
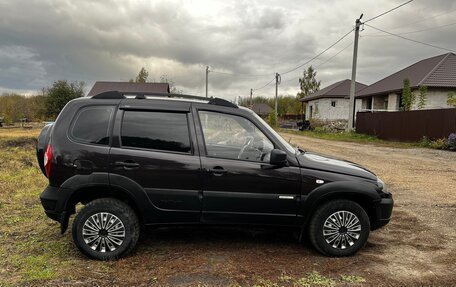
[(48, 160)]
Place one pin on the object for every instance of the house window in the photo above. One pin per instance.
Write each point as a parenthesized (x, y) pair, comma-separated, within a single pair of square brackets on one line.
[(333, 103)]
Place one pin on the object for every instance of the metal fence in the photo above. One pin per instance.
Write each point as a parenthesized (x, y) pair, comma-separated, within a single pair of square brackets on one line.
[(407, 126)]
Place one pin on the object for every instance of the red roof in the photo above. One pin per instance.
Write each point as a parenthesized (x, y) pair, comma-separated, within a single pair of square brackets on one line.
[(438, 71), (339, 89), (129, 88)]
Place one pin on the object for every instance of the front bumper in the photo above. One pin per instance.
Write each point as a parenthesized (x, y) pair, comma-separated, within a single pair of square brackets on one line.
[(383, 211)]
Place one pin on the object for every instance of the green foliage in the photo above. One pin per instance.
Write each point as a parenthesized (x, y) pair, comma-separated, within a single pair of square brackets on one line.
[(316, 279), (441, 143), (60, 94), (422, 97), (352, 279), (286, 105), (272, 119), (13, 107), (141, 77), (408, 98), (452, 99), (308, 83), (172, 85)]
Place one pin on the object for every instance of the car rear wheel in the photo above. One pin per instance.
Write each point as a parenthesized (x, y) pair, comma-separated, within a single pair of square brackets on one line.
[(106, 229), (339, 228)]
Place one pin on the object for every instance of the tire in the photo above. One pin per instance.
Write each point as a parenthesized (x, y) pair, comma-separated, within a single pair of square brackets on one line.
[(343, 237), (106, 229)]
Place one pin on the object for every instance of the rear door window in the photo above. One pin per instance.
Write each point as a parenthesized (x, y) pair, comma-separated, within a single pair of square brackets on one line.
[(164, 131), (91, 125)]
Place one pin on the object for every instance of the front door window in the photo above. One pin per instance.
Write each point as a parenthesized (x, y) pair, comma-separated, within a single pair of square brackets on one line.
[(234, 137)]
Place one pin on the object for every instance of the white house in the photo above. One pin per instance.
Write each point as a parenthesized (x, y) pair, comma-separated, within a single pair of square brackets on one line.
[(437, 73), (331, 102)]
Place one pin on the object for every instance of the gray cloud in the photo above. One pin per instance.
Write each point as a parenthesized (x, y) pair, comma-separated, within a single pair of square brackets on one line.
[(42, 41)]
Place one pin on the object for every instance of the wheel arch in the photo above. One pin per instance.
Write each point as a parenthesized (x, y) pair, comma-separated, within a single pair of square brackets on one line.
[(363, 194)]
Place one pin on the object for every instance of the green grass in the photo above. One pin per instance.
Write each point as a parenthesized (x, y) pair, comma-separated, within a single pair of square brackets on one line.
[(313, 278)]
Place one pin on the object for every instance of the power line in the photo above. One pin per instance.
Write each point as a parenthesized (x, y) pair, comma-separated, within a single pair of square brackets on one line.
[(422, 20), (413, 32), (318, 55), (324, 62), (346, 47), (240, 74), (411, 40), (384, 13), (265, 85)]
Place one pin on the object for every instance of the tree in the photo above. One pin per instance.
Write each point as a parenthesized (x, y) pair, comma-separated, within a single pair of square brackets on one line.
[(408, 98), (172, 86), (422, 97), (308, 83), (141, 77), (452, 99), (60, 94)]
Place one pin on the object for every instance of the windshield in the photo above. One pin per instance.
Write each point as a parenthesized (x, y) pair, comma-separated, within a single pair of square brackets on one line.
[(276, 135)]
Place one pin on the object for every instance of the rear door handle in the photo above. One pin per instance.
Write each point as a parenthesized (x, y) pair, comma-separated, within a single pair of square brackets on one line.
[(217, 170)]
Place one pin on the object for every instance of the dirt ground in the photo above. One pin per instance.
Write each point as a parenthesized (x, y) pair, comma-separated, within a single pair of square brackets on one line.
[(417, 248), (419, 244)]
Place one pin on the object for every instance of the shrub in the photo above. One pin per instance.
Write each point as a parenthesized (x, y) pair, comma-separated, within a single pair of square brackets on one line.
[(272, 119), (439, 143)]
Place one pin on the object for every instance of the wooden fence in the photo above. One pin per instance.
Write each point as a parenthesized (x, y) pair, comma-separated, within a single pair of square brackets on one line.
[(407, 126)]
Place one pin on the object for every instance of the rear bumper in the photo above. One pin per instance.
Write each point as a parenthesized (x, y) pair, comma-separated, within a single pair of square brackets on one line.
[(53, 200), (383, 211)]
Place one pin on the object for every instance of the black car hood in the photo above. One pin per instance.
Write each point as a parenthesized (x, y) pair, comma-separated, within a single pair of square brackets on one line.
[(321, 162)]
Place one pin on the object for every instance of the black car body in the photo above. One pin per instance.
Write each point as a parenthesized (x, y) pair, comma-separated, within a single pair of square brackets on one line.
[(174, 159)]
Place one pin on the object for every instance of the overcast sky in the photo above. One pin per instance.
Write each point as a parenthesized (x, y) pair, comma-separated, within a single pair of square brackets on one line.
[(43, 41)]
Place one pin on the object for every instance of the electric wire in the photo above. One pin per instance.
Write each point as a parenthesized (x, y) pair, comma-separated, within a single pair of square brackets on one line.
[(384, 13), (422, 20), (318, 55), (324, 62), (262, 87), (240, 74), (413, 32), (411, 40)]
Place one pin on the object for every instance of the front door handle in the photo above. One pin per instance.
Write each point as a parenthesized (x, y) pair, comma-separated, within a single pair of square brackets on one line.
[(127, 164), (217, 170)]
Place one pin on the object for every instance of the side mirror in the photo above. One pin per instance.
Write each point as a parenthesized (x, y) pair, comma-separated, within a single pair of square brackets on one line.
[(278, 157)]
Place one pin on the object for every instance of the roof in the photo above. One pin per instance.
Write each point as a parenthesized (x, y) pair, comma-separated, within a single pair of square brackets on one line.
[(129, 88), (438, 71), (261, 108), (339, 89)]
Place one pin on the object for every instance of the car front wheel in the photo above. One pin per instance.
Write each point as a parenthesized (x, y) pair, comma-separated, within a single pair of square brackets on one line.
[(106, 229), (339, 228)]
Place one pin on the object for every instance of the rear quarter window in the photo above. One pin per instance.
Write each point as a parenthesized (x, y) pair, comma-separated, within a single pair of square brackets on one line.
[(91, 125)]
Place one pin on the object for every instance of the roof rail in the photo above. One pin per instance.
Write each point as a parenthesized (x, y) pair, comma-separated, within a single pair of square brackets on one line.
[(118, 95)]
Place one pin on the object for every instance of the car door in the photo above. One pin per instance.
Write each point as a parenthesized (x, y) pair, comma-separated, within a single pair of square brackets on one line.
[(239, 185), (156, 151)]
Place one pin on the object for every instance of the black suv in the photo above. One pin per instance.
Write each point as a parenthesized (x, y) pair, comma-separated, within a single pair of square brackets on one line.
[(154, 160)]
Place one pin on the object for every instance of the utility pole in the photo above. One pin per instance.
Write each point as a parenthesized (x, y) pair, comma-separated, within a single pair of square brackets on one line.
[(351, 105), (207, 78), (278, 80), (251, 98)]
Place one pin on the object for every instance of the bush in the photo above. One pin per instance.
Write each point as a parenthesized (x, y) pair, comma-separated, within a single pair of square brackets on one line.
[(441, 143), (272, 119)]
